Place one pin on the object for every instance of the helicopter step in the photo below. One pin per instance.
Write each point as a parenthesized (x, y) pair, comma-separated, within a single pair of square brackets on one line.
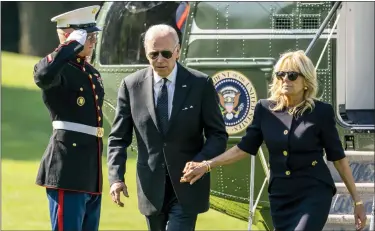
[(362, 165), (342, 209), (361, 188), (344, 223), (342, 204)]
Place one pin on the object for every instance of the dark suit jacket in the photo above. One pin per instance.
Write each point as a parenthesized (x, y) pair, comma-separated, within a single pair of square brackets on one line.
[(295, 145), (184, 141)]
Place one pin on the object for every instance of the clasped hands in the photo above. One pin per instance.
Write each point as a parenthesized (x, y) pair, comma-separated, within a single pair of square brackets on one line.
[(193, 171)]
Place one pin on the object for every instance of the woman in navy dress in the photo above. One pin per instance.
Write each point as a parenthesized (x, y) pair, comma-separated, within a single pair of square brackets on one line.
[(296, 128)]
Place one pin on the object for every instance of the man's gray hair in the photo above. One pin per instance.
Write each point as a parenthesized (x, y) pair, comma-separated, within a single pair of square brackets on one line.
[(160, 29)]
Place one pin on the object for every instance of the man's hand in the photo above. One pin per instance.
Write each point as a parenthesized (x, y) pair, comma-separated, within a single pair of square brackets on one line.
[(115, 191), (190, 166), (79, 36), (193, 171)]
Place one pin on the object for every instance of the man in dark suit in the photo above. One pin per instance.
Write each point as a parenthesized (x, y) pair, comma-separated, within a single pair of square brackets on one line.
[(172, 109)]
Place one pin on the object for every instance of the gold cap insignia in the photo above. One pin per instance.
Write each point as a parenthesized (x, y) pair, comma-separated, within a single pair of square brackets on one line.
[(94, 10), (80, 101)]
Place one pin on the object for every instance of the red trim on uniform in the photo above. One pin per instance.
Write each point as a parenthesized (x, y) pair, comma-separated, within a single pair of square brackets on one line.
[(98, 124), (183, 16), (49, 58), (60, 210)]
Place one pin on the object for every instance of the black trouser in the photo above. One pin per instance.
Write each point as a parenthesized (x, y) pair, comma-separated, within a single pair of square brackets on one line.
[(172, 217)]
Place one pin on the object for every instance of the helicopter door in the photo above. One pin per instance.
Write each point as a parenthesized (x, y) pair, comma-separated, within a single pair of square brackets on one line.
[(126, 24), (355, 59)]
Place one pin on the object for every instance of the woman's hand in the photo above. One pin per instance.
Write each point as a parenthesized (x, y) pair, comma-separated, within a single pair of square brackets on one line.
[(193, 174), (360, 216), (193, 171), (345, 172)]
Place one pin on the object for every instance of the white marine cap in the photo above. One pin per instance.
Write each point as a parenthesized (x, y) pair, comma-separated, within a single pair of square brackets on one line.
[(82, 18)]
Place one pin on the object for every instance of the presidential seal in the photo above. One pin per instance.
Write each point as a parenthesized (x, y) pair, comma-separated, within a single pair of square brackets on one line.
[(237, 100)]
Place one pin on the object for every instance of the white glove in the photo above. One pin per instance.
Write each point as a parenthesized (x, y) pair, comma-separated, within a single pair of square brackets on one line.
[(79, 36)]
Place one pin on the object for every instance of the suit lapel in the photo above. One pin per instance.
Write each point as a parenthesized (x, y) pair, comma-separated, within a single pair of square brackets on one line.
[(181, 90), (149, 93)]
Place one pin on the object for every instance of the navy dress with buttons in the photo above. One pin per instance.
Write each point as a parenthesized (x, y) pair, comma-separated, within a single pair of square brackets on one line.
[(301, 186)]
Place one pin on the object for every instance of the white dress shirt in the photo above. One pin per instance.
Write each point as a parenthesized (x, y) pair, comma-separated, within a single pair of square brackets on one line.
[(158, 82)]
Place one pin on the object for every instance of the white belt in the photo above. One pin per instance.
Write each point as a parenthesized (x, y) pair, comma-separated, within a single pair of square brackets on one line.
[(95, 131)]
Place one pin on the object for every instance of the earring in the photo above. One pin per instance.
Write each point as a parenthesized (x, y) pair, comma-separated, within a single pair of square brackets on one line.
[(305, 88)]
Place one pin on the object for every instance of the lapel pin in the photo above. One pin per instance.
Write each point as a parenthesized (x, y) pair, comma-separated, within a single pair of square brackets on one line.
[(191, 106), (183, 85)]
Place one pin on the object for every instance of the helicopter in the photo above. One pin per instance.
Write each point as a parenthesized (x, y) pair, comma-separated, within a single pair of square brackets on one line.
[(237, 45)]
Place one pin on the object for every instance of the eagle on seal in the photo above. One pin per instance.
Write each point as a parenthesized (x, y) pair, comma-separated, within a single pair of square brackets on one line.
[(229, 102)]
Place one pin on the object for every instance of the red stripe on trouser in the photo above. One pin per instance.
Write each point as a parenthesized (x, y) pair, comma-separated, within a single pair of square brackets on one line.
[(60, 211)]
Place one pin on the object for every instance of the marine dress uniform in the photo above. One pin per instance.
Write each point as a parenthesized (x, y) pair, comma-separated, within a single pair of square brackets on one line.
[(301, 186), (71, 167)]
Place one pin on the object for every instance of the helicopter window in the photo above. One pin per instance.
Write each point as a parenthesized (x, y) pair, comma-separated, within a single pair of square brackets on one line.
[(239, 14), (310, 22), (311, 3), (282, 22), (126, 24)]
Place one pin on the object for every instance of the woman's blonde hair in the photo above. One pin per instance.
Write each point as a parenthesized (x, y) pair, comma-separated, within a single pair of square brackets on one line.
[(298, 61)]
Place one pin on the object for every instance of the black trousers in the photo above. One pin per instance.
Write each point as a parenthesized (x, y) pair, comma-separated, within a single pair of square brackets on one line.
[(172, 216)]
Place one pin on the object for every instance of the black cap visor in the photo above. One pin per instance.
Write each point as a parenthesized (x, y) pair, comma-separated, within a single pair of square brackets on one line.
[(89, 27)]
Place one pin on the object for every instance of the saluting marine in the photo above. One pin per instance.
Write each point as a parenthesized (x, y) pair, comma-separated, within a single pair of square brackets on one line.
[(71, 167)]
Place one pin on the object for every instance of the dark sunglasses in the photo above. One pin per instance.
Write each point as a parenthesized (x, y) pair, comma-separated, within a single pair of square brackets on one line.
[(165, 53), (292, 75)]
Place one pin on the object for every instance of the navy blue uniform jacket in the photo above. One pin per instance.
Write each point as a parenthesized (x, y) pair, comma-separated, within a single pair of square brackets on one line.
[(295, 148), (72, 91)]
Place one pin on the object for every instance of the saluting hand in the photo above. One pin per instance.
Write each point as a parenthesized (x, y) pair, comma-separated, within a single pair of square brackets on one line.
[(115, 191), (78, 35), (360, 217)]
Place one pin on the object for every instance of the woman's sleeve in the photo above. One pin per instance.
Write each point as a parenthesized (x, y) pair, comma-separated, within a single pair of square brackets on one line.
[(329, 135), (253, 138)]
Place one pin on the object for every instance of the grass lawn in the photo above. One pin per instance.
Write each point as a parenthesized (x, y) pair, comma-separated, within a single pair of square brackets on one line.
[(25, 133)]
